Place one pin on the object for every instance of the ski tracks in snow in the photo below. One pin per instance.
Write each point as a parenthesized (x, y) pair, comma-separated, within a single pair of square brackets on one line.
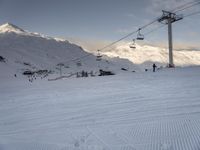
[(154, 112)]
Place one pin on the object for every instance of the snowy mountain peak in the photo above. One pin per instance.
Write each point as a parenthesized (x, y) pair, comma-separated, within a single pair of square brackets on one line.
[(9, 27)]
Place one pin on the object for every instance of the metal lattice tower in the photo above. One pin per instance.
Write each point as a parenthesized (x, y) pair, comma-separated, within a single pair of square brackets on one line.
[(169, 18)]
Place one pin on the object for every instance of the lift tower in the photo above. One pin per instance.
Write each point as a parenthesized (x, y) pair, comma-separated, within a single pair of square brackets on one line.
[(169, 18)]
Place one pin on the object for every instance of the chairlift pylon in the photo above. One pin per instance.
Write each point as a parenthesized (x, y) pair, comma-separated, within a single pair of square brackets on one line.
[(132, 45), (139, 35)]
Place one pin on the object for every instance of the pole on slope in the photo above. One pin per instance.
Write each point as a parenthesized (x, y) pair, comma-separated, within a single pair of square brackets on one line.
[(169, 18)]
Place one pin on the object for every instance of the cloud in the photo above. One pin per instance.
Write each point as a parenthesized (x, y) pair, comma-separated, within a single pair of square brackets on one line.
[(178, 45), (94, 45), (89, 44), (130, 15), (142, 22), (156, 6), (127, 31), (192, 34)]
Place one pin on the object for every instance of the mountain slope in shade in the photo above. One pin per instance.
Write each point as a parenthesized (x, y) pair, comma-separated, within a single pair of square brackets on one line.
[(25, 50)]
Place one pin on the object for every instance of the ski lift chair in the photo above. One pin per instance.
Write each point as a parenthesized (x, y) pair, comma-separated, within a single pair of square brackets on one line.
[(132, 45), (99, 56), (140, 36)]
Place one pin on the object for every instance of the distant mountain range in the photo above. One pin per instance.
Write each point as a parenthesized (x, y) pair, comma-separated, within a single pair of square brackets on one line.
[(146, 54), (21, 50)]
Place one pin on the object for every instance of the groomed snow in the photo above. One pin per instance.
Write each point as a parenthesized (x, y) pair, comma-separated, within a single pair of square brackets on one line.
[(128, 111)]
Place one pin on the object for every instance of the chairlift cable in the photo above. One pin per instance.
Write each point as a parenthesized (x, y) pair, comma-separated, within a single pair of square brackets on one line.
[(179, 8), (128, 35), (197, 3), (194, 13), (174, 10), (79, 58), (183, 5), (154, 29)]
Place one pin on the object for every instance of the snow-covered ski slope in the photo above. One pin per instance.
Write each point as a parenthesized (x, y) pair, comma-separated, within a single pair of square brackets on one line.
[(24, 50), (129, 111)]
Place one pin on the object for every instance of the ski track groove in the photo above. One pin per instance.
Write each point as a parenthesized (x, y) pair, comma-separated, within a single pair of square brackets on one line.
[(168, 121)]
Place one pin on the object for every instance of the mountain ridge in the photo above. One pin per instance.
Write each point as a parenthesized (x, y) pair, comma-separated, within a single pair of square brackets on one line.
[(28, 51), (9, 27), (25, 50)]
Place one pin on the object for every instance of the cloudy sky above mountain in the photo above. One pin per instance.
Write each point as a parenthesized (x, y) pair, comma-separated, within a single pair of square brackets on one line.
[(101, 20)]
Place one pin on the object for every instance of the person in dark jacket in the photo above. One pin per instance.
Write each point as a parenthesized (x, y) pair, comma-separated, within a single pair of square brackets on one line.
[(154, 67)]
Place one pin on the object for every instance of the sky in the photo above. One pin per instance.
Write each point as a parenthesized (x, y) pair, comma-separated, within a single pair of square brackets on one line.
[(101, 20)]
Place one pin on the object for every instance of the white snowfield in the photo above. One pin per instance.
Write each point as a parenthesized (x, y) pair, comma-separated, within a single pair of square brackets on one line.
[(128, 111)]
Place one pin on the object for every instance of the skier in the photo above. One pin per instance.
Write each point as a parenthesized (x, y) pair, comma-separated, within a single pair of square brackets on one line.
[(154, 67), (83, 73)]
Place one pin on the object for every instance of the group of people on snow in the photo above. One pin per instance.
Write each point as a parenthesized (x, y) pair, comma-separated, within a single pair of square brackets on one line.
[(154, 68)]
